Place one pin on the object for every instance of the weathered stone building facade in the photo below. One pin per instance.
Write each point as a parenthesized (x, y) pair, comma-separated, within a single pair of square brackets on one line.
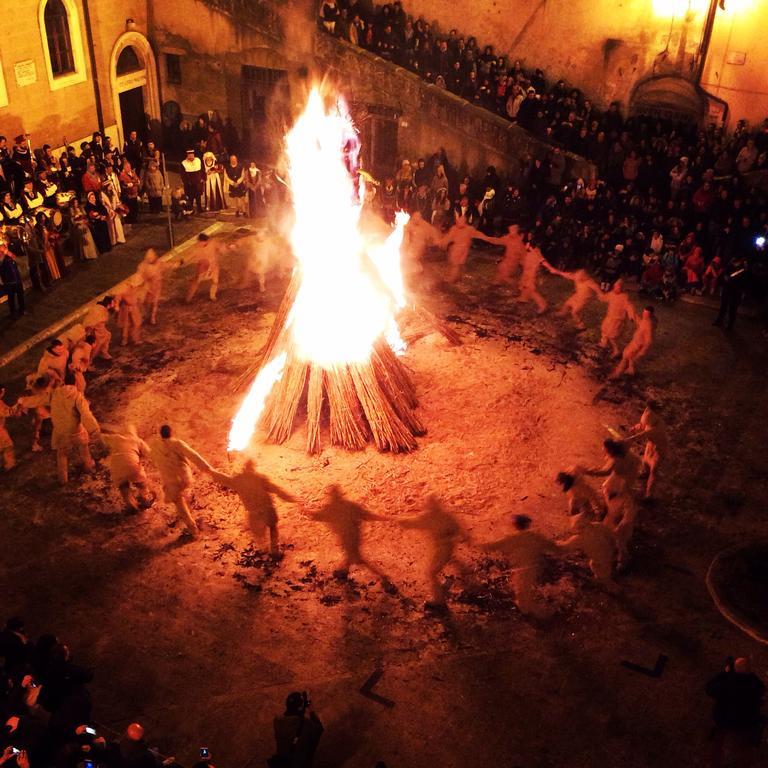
[(72, 66), (66, 73)]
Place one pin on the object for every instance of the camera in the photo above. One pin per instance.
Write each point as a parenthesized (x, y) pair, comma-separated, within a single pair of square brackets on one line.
[(205, 753)]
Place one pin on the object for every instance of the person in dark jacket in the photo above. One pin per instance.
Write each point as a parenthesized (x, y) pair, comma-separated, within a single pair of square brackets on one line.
[(11, 279), (297, 733), (738, 722), (734, 283)]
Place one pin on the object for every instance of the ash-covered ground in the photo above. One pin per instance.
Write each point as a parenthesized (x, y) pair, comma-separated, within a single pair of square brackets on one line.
[(201, 640)]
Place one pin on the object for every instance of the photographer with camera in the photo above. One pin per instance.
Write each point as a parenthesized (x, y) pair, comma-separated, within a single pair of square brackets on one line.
[(297, 733)]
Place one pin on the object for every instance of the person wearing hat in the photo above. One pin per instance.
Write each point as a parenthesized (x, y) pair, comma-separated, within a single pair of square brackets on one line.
[(297, 733), (23, 158), (525, 550), (193, 178), (47, 188)]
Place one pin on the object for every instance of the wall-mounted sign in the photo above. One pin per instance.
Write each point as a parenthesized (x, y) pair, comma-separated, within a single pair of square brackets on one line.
[(132, 80), (25, 72), (736, 57)]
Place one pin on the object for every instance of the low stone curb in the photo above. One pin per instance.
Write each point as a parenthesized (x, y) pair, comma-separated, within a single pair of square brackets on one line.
[(53, 329)]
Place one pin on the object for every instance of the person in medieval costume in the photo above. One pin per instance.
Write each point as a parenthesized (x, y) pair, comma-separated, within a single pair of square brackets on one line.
[(193, 178), (237, 193), (214, 192)]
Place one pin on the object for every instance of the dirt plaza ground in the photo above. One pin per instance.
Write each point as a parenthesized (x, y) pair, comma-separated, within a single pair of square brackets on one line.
[(201, 640)]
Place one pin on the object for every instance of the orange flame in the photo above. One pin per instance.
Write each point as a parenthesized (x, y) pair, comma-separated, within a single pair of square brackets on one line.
[(349, 294)]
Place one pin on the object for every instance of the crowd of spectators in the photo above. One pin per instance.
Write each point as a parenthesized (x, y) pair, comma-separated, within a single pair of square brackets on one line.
[(667, 203), (656, 236), (56, 210), (46, 711), (60, 208)]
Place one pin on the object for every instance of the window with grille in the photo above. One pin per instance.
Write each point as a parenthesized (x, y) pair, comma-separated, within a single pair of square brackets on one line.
[(59, 39), (173, 68)]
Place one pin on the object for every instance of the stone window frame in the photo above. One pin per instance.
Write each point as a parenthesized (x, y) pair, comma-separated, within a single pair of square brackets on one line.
[(80, 75), (3, 90)]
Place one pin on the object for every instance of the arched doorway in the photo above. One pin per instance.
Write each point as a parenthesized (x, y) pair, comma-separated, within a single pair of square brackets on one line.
[(134, 85)]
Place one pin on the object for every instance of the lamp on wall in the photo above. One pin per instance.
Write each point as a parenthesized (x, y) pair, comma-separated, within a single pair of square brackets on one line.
[(130, 24)]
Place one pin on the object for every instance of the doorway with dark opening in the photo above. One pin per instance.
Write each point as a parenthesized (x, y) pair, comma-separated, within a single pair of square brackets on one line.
[(132, 112)]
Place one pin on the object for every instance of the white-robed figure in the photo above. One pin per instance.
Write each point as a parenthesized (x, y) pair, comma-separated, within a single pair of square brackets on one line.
[(151, 272), (174, 460), (653, 430), (126, 453), (525, 550), (205, 256), (621, 470), (598, 543), (214, 190), (96, 323), (620, 309), (53, 362), (111, 201), (584, 502), (73, 425)]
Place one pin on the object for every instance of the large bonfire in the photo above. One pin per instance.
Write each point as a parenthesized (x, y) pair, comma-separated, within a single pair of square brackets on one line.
[(332, 351)]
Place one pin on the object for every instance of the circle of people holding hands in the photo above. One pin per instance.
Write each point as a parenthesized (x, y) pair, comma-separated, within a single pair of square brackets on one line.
[(603, 522)]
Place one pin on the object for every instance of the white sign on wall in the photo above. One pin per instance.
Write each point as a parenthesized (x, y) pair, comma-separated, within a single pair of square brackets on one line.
[(26, 72)]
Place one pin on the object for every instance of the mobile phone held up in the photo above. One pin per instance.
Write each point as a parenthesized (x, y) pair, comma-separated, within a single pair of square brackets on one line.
[(205, 753)]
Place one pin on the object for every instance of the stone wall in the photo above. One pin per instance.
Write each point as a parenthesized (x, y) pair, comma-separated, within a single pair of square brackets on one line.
[(430, 117)]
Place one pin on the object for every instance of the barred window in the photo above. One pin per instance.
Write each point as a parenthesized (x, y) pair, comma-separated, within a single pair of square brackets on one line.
[(59, 39)]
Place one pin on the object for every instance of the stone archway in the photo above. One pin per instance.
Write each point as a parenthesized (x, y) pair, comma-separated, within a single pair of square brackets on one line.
[(133, 79)]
